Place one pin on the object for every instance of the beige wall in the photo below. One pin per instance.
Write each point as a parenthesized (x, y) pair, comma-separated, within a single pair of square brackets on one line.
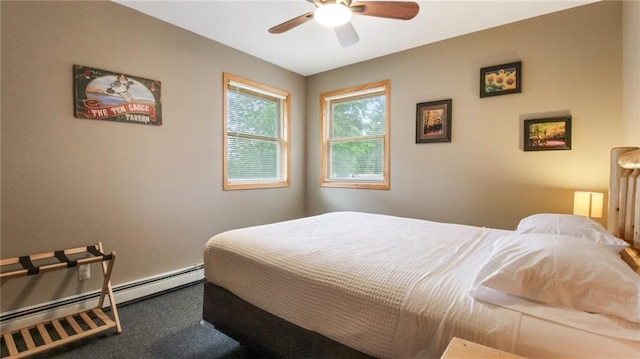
[(0, 135), (152, 194), (631, 71), (571, 65)]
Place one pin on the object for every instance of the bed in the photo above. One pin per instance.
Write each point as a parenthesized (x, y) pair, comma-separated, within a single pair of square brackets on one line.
[(359, 285)]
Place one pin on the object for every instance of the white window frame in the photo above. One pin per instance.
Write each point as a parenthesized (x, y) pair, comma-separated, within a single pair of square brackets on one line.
[(326, 100), (232, 81)]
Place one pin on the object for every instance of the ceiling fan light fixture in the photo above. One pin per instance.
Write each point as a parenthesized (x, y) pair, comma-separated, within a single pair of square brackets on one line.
[(332, 15)]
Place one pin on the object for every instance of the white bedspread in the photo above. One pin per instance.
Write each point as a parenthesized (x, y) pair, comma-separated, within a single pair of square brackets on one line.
[(349, 276), (439, 307), (387, 286)]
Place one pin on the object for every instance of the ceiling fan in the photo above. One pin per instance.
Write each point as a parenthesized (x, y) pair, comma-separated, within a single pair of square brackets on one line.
[(337, 14)]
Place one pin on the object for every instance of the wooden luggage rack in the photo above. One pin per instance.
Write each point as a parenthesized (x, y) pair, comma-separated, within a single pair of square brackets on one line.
[(43, 336)]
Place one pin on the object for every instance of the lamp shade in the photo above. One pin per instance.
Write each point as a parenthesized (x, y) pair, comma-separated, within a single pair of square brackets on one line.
[(332, 15), (588, 204)]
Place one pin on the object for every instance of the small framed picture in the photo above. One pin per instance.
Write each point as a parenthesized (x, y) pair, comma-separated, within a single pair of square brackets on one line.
[(547, 134), (433, 121), (501, 79)]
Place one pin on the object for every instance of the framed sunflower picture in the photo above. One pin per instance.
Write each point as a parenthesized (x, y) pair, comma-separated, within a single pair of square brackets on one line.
[(501, 79)]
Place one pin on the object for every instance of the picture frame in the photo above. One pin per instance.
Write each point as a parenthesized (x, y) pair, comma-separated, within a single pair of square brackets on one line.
[(547, 134), (433, 121), (501, 79), (115, 96)]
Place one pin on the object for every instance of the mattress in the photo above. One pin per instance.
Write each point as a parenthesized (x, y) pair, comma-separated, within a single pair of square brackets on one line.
[(387, 286)]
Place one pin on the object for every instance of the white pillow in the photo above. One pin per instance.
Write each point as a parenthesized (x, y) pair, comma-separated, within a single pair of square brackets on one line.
[(563, 271), (571, 225)]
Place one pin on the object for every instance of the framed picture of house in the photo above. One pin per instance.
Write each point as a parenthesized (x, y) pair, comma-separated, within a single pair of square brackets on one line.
[(433, 121), (501, 79), (547, 134)]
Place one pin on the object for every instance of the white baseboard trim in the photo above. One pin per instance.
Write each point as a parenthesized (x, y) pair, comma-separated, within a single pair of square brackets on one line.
[(123, 293)]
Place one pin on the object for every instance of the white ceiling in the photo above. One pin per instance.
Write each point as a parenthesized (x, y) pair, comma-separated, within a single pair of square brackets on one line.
[(311, 48)]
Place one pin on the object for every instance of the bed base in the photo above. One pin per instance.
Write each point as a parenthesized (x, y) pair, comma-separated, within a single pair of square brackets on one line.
[(262, 333)]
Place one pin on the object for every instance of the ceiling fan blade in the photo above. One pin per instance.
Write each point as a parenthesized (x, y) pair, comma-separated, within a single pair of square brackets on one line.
[(400, 10), (290, 24), (347, 34)]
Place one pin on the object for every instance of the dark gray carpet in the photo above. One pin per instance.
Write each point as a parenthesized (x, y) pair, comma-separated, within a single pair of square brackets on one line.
[(163, 327)]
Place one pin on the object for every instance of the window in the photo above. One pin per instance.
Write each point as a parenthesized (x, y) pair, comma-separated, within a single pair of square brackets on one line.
[(256, 135), (355, 137)]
